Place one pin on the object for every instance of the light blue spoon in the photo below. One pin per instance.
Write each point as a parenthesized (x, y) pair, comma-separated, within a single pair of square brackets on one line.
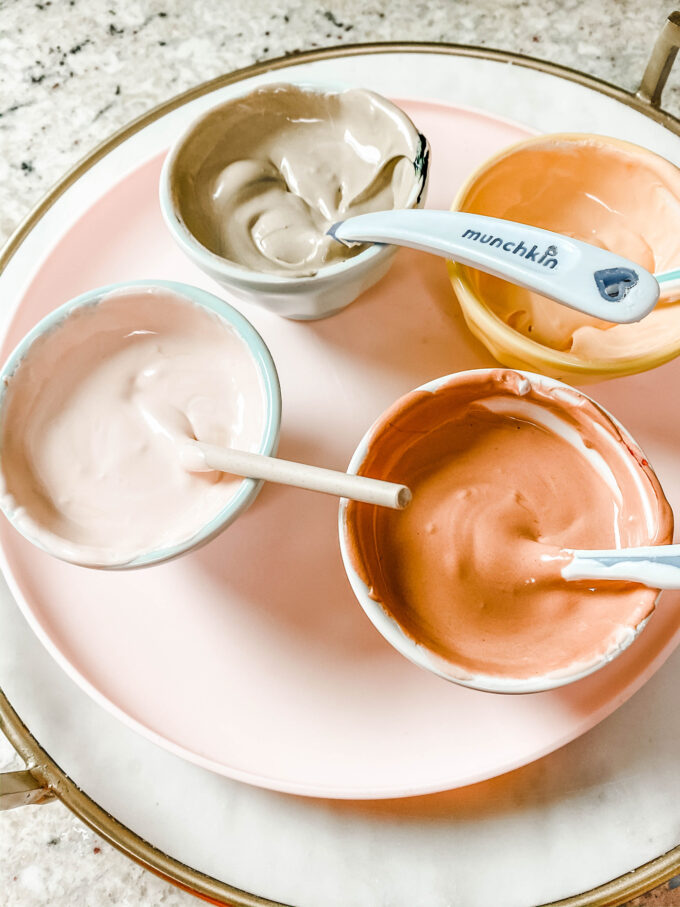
[(582, 276), (657, 566)]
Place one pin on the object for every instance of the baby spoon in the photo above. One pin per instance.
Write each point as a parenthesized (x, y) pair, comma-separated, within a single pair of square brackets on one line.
[(577, 274), (657, 566), (200, 457)]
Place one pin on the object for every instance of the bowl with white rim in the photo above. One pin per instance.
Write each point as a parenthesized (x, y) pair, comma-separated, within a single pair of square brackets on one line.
[(302, 298), (246, 490), (651, 502)]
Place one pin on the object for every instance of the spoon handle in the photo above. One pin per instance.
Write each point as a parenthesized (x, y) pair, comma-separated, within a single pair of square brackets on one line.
[(657, 566), (198, 456), (577, 274), (669, 282)]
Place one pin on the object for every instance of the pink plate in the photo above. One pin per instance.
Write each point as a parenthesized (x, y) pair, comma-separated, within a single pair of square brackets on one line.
[(251, 657)]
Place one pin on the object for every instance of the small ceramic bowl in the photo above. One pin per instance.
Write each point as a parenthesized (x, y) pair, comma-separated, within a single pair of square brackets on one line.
[(334, 285), (566, 183), (245, 492), (366, 559)]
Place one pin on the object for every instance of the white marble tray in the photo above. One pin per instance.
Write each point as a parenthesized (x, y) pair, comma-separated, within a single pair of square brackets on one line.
[(595, 809)]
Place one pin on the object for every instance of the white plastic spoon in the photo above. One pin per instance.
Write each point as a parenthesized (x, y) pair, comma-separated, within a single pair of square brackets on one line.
[(199, 457), (657, 566), (575, 273)]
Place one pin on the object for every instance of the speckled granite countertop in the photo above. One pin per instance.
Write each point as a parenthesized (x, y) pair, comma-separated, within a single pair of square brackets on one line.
[(73, 71)]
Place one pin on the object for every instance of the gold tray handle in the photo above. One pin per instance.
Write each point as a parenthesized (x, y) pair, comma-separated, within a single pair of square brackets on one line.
[(22, 788), (660, 61)]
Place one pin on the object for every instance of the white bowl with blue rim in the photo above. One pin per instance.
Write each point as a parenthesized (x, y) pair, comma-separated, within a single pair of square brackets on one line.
[(247, 490)]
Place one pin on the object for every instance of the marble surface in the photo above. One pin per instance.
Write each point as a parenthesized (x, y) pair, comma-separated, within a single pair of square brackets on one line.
[(74, 71)]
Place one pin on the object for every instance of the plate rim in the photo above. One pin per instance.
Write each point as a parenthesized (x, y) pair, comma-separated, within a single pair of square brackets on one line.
[(42, 766)]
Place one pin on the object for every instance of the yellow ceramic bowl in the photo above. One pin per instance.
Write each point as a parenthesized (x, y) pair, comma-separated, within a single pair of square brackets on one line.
[(598, 189)]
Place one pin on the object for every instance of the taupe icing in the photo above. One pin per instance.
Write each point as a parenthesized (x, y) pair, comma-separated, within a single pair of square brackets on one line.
[(261, 179)]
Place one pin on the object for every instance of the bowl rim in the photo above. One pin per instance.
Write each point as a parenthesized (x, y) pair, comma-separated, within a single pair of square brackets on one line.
[(239, 275), (492, 325), (248, 488), (419, 654)]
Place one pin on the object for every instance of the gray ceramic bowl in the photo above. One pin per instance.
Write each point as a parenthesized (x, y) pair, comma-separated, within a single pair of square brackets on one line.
[(333, 286)]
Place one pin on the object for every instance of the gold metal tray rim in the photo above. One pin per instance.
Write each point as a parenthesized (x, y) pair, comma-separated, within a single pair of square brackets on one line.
[(45, 770)]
